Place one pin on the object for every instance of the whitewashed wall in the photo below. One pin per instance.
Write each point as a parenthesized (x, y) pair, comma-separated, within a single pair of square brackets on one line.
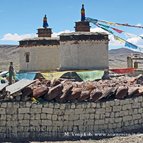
[(84, 54), (41, 58)]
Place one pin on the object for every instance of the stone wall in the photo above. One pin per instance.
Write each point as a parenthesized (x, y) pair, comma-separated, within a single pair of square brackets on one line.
[(83, 55), (24, 120)]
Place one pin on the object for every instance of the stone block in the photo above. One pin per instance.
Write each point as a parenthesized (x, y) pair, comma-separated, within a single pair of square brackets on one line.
[(112, 115), (107, 120), (140, 98), (98, 105), (116, 108), (58, 123), (2, 117), (66, 117), (35, 110), (74, 117), (118, 120), (78, 111), (8, 117), (54, 117), (35, 123), (28, 104), (136, 105), (2, 111), (107, 114), (126, 107), (3, 105), (49, 116), (117, 102), (22, 104), (2, 123), (20, 116), (126, 112), (91, 116), (57, 106), (11, 110), (100, 111), (24, 122), (97, 116), (51, 105), (43, 116), (12, 123), (26, 117), (137, 116), (101, 122), (72, 105), (37, 116), (71, 111), (140, 110), (78, 106), (14, 117), (93, 105), (108, 109), (46, 122), (127, 118), (47, 110), (23, 110), (62, 106), (135, 111)]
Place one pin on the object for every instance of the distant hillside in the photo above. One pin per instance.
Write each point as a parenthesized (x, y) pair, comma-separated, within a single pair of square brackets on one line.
[(8, 53), (122, 51), (118, 57), (8, 46)]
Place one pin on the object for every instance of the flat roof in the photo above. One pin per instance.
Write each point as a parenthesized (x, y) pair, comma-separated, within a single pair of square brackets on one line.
[(83, 33), (40, 38)]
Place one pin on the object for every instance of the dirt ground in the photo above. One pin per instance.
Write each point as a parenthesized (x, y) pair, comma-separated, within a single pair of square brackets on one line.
[(138, 138)]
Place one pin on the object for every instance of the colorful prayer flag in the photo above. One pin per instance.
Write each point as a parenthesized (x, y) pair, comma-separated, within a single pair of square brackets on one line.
[(119, 39), (106, 26), (117, 30), (130, 45)]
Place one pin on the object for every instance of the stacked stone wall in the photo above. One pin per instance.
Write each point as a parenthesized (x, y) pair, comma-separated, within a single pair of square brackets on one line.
[(24, 120)]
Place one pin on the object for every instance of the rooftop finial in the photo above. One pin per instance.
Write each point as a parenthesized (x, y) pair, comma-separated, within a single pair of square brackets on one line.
[(82, 13), (45, 24)]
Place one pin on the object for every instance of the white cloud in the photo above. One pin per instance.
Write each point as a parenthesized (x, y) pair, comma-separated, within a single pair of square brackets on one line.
[(138, 24), (136, 40), (16, 37), (56, 34)]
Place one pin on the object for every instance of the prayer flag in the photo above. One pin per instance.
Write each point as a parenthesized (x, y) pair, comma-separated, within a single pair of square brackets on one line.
[(130, 45), (119, 39), (106, 26), (117, 30)]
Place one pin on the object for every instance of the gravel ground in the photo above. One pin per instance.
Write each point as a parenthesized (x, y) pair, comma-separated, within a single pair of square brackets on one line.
[(138, 138)]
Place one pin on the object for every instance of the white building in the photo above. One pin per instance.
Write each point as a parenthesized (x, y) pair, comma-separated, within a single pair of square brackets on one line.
[(81, 49), (40, 53)]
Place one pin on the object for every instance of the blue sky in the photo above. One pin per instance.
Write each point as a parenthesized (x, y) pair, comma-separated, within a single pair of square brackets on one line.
[(21, 18)]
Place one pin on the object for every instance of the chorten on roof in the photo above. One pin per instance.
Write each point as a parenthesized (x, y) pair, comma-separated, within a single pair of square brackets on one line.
[(82, 26), (44, 31)]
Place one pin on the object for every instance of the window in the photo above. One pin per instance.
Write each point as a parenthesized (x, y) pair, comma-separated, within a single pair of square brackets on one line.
[(27, 57)]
